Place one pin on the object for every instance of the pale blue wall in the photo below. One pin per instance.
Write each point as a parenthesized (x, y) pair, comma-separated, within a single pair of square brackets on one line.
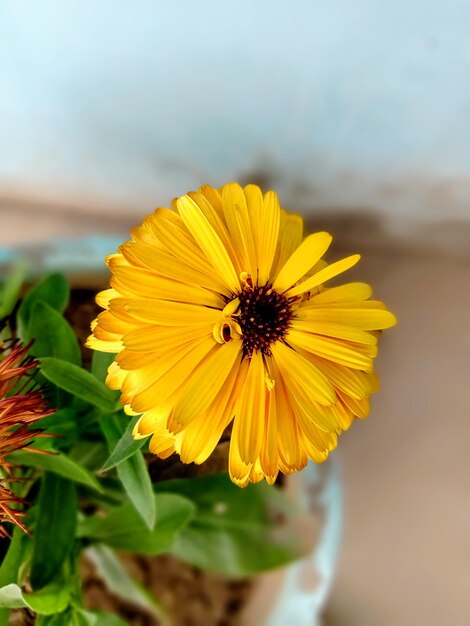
[(131, 100)]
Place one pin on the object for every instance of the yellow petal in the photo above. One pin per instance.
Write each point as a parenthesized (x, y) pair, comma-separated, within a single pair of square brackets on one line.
[(216, 220), (256, 473), (105, 335), (128, 360), (297, 370), (269, 450), (115, 376), (329, 272), (360, 408), (300, 397), (164, 263), (267, 234), (179, 241), (366, 319), (353, 382), (322, 441), (239, 225), (307, 254), (151, 338), (140, 282), (201, 435), (254, 202), (319, 456), (349, 292), (103, 298), (292, 457), (343, 415), (250, 411), (341, 331), (373, 381), (209, 241), (214, 198), (162, 214), (138, 380), (330, 348), (110, 323), (206, 382), (172, 380), (162, 443), (238, 470), (112, 346), (290, 238), (331, 306), (171, 313), (153, 421)]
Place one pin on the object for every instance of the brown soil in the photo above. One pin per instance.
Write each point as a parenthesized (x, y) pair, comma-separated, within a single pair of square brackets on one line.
[(189, 596)]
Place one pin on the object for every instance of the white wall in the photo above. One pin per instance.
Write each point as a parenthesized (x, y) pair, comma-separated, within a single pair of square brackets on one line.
[(340, 103)]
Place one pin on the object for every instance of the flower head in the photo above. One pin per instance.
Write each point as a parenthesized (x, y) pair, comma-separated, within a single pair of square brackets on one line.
[(218, 311), (21, 406)]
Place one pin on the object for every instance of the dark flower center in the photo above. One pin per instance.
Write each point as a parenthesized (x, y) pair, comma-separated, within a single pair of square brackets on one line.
[(265, 316)]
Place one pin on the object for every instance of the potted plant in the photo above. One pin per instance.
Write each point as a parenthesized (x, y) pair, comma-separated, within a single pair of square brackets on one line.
[(145, 479)]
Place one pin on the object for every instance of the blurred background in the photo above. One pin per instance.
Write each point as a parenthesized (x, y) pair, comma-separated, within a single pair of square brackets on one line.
[(357, 114)]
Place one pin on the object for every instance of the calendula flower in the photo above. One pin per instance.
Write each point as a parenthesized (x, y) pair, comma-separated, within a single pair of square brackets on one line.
[(21, 406), (218, 311)]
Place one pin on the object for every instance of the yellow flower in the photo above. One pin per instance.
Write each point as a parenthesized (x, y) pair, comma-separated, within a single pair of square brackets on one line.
[(218, 312)]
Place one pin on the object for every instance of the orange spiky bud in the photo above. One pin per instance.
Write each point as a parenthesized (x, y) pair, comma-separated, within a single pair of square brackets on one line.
[(22, 404)]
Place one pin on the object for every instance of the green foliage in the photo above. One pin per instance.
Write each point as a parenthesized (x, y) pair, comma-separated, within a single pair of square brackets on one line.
[(99, 618), (59, 464), (79, 383), (12, 562), (124, 448), (255, 528), (55, 528), (53, 336), (132, 472), (53, 290), (100, 363), (124, 529), (10, 289), (118, 580), (53, 598), (80, 617)]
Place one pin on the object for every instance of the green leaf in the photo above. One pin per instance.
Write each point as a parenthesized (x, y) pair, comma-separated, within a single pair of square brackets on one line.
[(88, 618), (124, 529), (57, 463), (12, 562), (89, 454), (124, 448), (52, 599), (58, 619), (120, 583), (100, 361), (55, 528), (52, 335), (11, 597), (11, 289), (63, 422), (53, 290), (236, 531), (79, 383), (132, 472)]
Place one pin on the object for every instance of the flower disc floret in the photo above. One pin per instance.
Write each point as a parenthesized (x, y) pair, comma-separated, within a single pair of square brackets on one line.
[(264, 316)]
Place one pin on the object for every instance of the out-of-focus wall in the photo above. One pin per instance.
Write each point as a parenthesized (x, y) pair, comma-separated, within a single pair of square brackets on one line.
[(119, 105)]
